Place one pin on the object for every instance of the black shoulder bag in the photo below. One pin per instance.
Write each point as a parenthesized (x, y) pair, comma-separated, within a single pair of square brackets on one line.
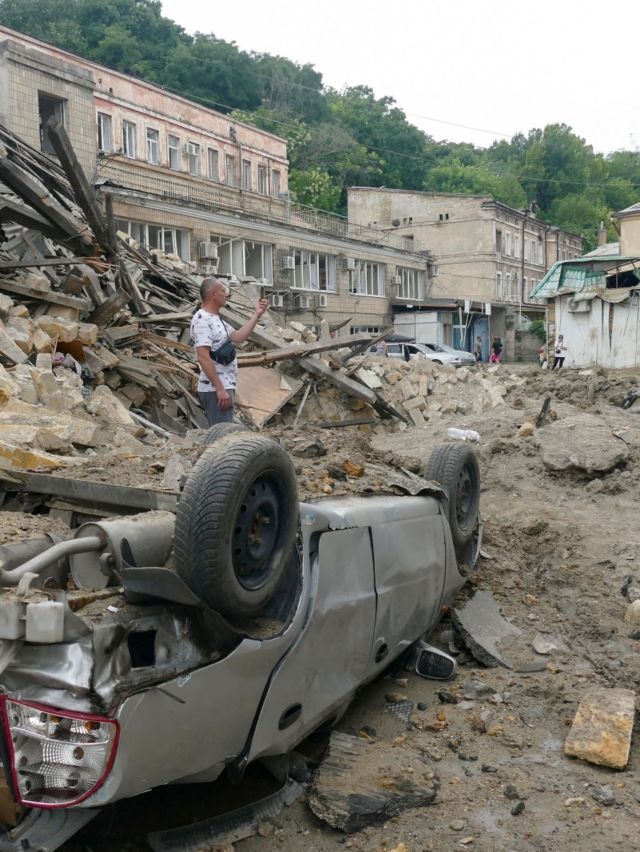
[(226, 353)]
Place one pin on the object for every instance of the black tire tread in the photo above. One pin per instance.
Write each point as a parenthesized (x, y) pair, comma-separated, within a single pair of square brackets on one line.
[(442, 468), (203, 520), (221, 430)]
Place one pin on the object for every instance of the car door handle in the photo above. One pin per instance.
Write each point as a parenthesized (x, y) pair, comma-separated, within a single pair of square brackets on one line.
[(290, 715)]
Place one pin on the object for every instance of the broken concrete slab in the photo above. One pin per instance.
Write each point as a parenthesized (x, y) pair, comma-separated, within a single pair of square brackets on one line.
[(105, 404), (357, 784), (602, 727), (9, 348), (58, 328), (482, 628), (592, 450), (368, 378)]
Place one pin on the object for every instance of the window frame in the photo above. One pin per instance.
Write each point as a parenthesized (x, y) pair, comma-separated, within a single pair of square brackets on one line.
[(193, 159), (263, 180), (230, 170), (314, 271), (105, 117), (129, 134), (247, 176), (367, 277), (213, 164), (173, 148), (412, 287), (151, 142)]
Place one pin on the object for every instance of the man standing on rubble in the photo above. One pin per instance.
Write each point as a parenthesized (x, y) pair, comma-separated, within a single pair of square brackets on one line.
[(213, 339)]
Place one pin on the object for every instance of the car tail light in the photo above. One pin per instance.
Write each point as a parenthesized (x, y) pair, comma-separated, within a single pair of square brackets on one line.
[(58, 757)]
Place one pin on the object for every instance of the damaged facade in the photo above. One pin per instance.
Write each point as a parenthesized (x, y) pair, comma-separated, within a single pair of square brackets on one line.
[(490, 258), (189, 181), (594, 300)]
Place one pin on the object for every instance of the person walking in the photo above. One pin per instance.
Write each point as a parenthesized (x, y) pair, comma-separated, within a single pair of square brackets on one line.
[(560, 352), (214, 341), (496, 351), (478, 350)]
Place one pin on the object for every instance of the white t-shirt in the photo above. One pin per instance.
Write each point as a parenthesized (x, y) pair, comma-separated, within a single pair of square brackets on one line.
[(210, 330)]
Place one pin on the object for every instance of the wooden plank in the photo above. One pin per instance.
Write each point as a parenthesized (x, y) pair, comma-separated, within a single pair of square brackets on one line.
[(260, 394), (18, 212), (109, 308), (44, 261), (99, 493), (52, 296), (339, 424), (295, 352)]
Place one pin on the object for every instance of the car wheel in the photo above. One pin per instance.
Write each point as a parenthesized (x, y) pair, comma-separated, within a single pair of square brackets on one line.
[(435, 361), (455, 468), (236, 525), (221, 430)]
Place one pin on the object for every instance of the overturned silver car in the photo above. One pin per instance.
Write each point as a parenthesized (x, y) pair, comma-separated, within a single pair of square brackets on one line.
[(161, 648)]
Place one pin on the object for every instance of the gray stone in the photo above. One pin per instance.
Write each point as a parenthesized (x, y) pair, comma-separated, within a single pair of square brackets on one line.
[(604, 795), (592, 449), (482, 627)]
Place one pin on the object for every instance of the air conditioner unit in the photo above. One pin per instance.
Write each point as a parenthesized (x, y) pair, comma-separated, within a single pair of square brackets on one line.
[(322, 300), (288, 262), (276, 300), (350, 263), (395, 280), (207, 251), (579, 306), (302, 302), (185, 148), (434, 271)]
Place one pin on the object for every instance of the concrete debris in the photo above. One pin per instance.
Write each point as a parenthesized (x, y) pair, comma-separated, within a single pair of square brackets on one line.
[(482, 628), (592, 450)]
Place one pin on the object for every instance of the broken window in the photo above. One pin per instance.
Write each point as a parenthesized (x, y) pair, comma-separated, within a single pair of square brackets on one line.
[(263, 184), (314, 271), (246, 174), (168, 240), (129, 139), (258, 261), (153, 146), (193, 155), (49, 107), (230, 169), (174, 152), (212, 164), (105, 133), (498, 240)]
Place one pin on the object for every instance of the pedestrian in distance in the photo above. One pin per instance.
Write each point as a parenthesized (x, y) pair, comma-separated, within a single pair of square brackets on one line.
[(560, 352), (478, 350), (214, 341), (496, 351)]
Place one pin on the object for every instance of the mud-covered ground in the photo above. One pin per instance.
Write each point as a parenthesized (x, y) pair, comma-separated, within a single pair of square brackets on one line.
[(562, 551)]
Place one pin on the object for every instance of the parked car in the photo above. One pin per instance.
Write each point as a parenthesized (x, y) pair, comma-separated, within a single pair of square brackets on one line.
[(466, 359), (195, 643), (432, 351)]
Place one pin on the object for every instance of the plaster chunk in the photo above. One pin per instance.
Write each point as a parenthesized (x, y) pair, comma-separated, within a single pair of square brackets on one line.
[(602, 727)]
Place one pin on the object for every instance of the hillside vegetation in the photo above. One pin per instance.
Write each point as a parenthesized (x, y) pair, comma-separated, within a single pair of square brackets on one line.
[(338, 138)]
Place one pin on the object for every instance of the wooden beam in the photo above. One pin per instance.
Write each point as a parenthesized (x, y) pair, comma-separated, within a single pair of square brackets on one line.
[(109, 308), (52, 296), (252, 359), (44, 261)]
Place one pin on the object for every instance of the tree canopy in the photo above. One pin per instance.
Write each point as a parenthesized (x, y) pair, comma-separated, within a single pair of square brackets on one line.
[(337, 138)]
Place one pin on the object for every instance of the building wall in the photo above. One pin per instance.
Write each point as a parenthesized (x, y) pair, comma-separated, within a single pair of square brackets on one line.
[(606, 336), (24, 74), (630, 236)]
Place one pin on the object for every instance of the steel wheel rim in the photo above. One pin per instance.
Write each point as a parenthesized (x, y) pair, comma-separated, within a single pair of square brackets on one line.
[(256, 532)]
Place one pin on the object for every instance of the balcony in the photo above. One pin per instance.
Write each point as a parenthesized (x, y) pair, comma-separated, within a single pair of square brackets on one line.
[(163, 183)]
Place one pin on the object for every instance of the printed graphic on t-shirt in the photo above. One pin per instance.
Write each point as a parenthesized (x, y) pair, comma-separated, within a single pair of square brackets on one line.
[(210, 330)]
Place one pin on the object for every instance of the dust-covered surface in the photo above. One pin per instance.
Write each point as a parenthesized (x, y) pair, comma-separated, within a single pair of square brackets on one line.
[(562, 561)]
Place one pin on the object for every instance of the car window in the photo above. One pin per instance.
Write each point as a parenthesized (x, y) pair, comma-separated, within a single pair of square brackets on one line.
[(393, 348)]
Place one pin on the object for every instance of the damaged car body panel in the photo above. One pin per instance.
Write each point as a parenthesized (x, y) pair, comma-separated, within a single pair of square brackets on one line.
[(164, 692)]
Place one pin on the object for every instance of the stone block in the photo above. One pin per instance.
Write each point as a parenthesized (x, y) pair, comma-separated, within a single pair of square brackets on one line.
[(368, 378), (416, 415), (423, 385), (134, 393), (393, 377), (65, 312), (416, 402), (463, 374), (64, 330), (31, 459), (41, 341), (21, 331), (87, 333), (105, 404), (37, 281), (525, 430), (126, 442), (6, 303), (406, 389), (19, 311), (44, 361), (602, 727), (8, 347), (299, 327)]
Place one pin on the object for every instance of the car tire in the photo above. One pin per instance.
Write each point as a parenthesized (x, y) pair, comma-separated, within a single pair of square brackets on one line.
[(221, 430), (236, 525), (455, 468)]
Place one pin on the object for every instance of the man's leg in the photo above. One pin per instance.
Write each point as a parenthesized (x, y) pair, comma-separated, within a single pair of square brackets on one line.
[(209, 400)]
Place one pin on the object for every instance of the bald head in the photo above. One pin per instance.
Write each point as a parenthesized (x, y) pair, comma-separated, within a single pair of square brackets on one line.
[(213, 295), (210, 285)]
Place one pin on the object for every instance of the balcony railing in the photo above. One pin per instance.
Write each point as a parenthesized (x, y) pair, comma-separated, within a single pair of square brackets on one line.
[(152, 180)]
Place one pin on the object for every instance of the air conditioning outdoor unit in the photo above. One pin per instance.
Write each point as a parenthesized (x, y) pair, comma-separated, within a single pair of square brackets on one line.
[(185, 148), (579, 306), (302, 302), (350, 263), (395, 280), (288, 262), (321, 300), (207, 251), (276, 300)]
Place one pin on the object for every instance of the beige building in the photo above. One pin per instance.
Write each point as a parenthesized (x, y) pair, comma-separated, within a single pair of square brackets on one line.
[(629, 224), (489, 256), (190, 181)]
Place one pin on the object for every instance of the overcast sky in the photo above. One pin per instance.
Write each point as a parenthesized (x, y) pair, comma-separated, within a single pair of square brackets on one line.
[(495, 66)]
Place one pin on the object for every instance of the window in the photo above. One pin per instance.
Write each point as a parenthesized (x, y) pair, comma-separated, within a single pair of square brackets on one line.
[(105, 133), (507, 286), (516, 245), (49, 107), (275, 183), (174, 152), (314, 271), (412, 286), (153, 146), (365, 329), (263, 184), (499, 290), (230, 169), (443, 217), (246, 174), (367, 279), (193, 156), (129, 139), (507, 242), (212, 164), (514, 293), (168, 240), (498, 240), (258, 261)]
